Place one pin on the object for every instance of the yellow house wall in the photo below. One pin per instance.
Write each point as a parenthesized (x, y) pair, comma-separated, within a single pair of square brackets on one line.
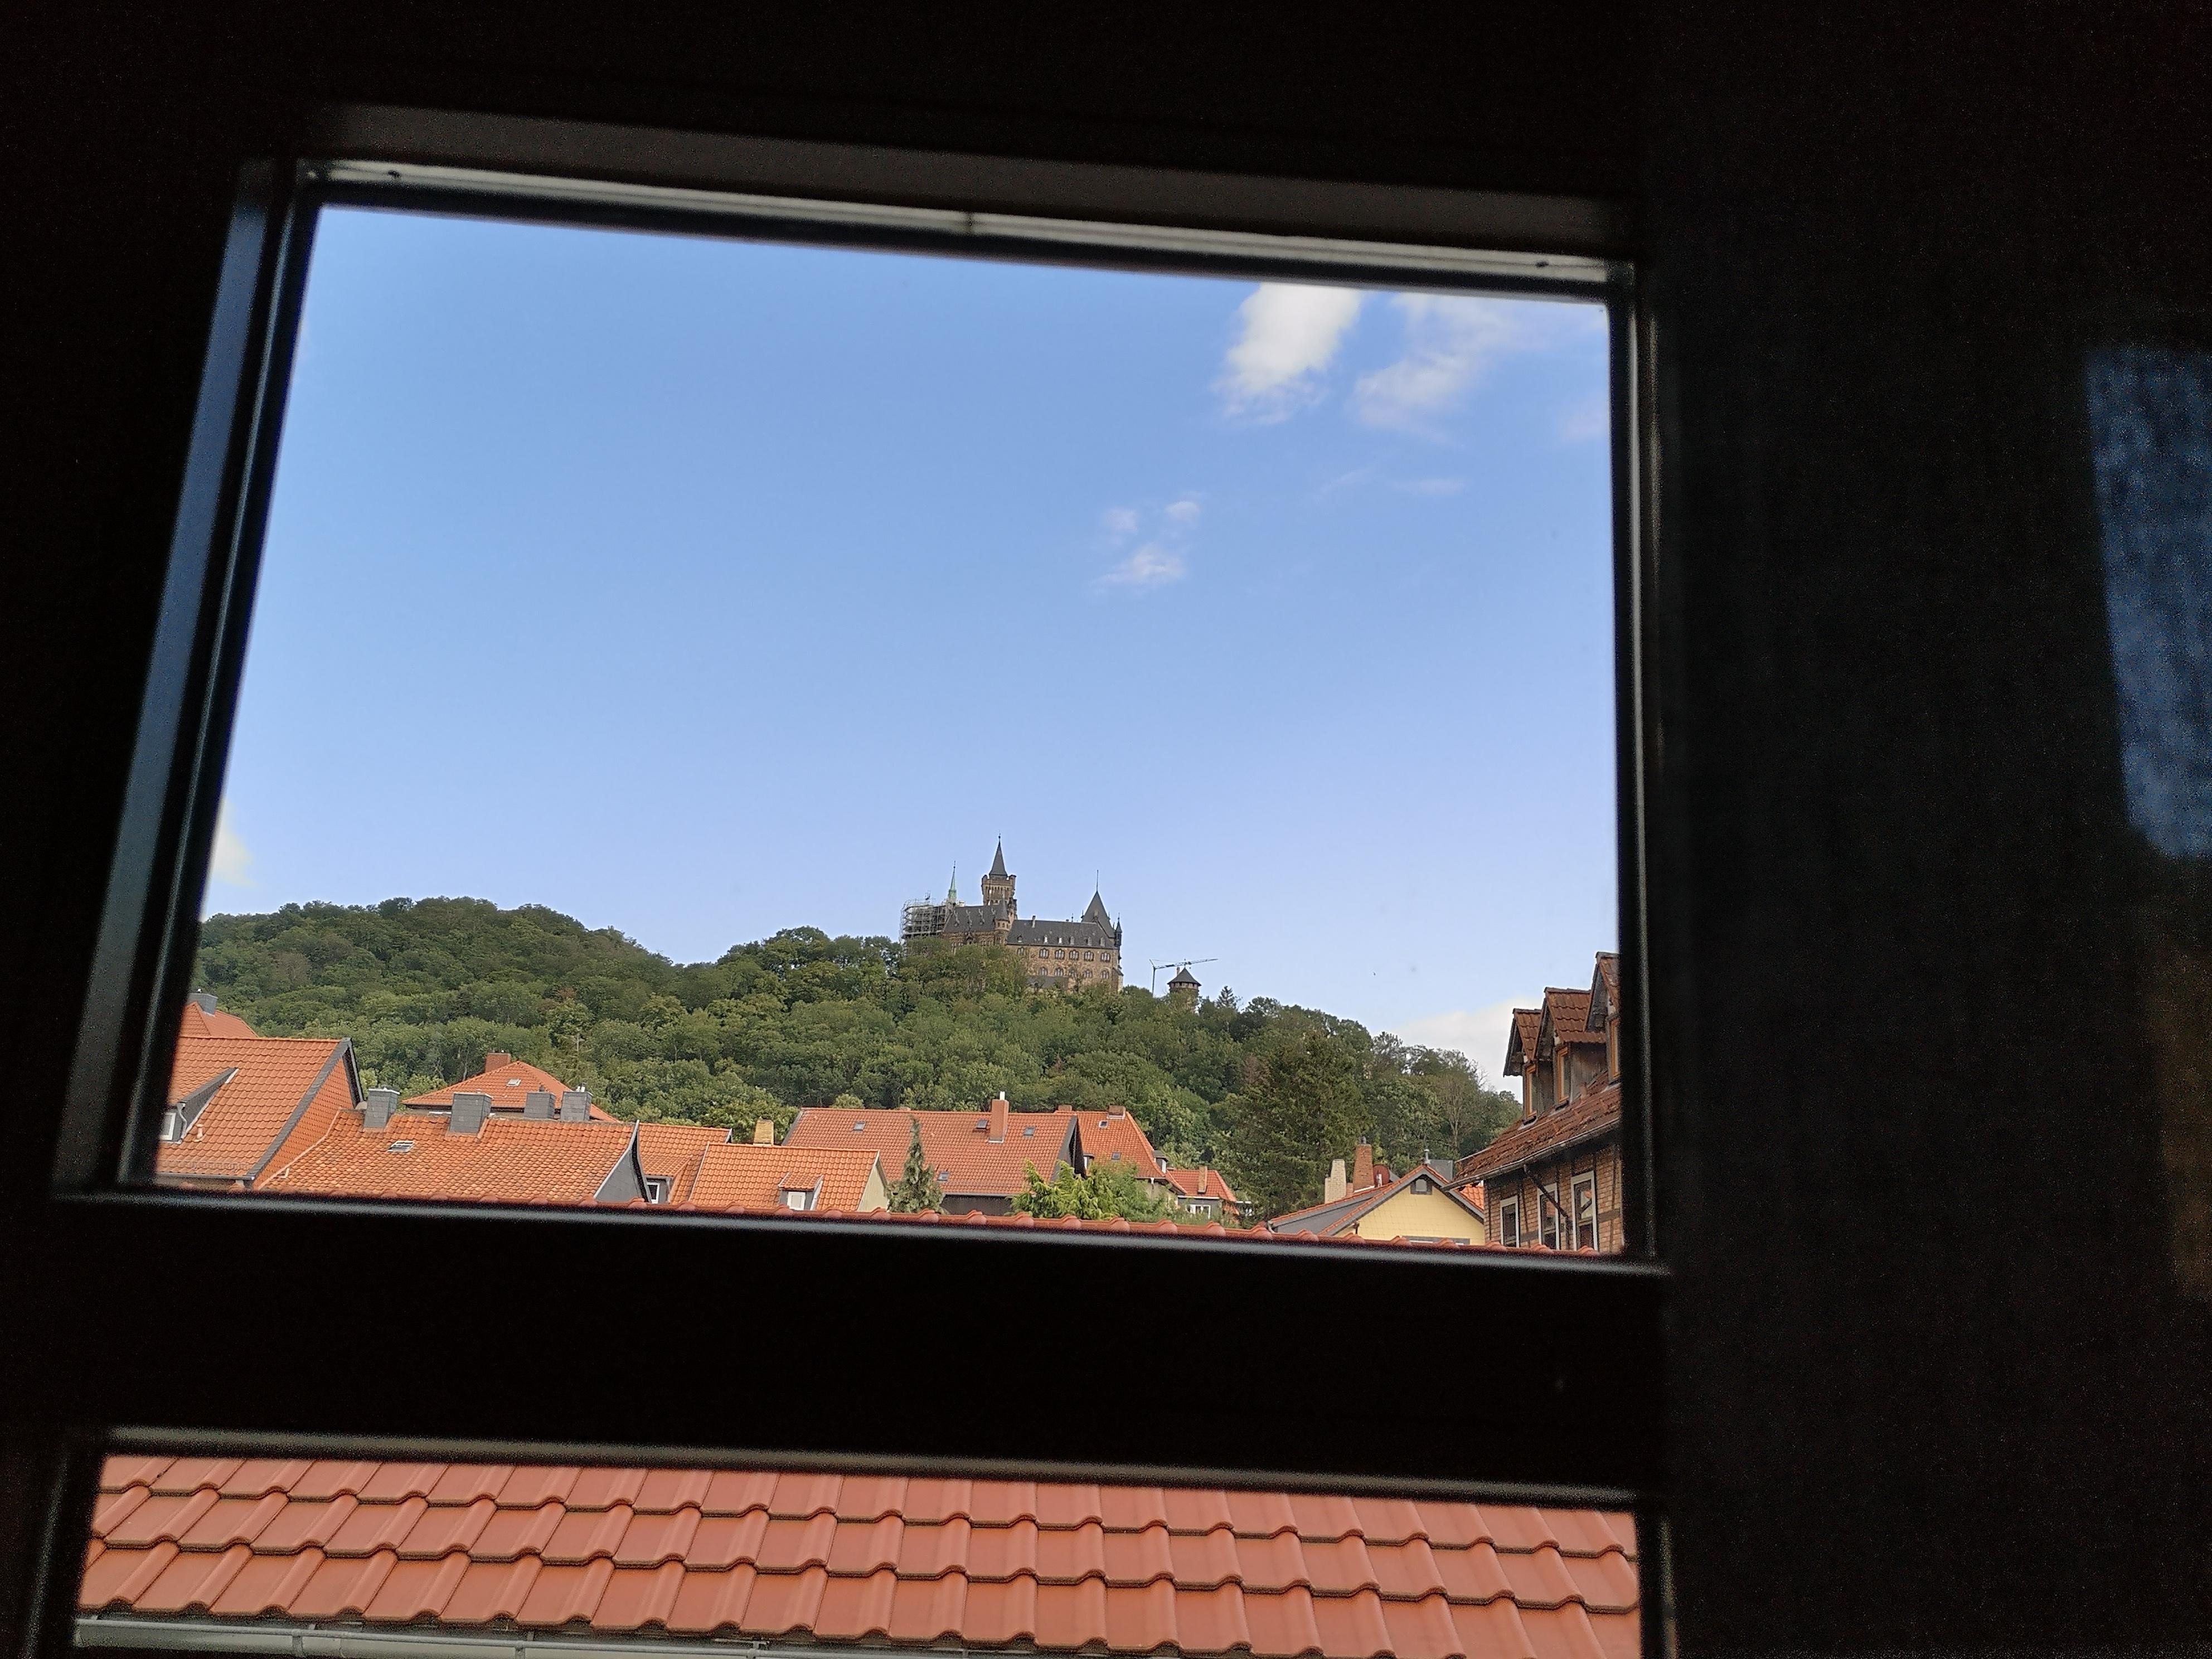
[(874, 1195), (1408, 1214)]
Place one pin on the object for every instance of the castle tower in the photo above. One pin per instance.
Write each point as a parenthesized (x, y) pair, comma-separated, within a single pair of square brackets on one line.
[(1183, 988), (998, 886)]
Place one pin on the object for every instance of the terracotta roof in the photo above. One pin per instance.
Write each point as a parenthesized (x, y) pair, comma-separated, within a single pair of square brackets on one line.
[(506, 1084), (1202, 1183), (284, 1094), (1338, 1215), (511, 1159), (639, 1554), (1593, 1113), (743, 1176), (213, 1022), (1567, 1016), (955, 1142), (1521, 1040), (1117, 1137), (672, 1152)]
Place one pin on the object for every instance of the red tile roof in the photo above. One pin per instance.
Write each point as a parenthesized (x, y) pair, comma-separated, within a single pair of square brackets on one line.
[(506, 1084), (956, 1144), (213, 1022), (1521, 1040), (886, 1561), (1588, 1116), (1567, 1015), (672, 1150), (283, 1095), (1118, 1138), (745, 1176), (511, 1159), (1202, 1183)]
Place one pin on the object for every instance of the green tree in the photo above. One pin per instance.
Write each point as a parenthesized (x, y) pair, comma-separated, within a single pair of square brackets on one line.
[(1305, 1109), (917, 1188), (1108, 1190)]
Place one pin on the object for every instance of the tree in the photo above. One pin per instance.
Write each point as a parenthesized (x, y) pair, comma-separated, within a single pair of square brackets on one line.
[(1305, 1109), (1108, 1190), (917, 1188)]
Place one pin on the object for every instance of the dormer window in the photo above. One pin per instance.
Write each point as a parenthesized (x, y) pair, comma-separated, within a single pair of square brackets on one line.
[(798, 1199), (656, 1189)]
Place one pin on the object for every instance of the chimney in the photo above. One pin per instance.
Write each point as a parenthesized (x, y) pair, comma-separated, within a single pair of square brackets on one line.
[(1116, 1109), (377, 1106), (1363, 1167), (203, 1000), (538, 1103), (575, 1105), (765, 1133), (1332, 1189), (470, 1111), (998, 1113), (493, 1061)]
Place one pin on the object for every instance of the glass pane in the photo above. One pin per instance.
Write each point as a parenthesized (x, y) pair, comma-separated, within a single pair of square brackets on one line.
[(437, 1559), (815, 731)]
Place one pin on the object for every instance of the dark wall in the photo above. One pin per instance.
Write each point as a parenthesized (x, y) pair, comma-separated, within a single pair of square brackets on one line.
[(1922, 1396)]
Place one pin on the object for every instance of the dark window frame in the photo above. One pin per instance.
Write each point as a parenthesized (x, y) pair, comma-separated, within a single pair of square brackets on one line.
[(1587, 1430)]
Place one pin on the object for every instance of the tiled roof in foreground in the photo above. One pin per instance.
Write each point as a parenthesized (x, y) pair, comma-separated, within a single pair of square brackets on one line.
[(1594, 1113), (652, 1554)]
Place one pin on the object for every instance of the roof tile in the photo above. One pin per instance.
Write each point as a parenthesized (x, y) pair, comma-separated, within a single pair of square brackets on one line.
[(824, 1558)]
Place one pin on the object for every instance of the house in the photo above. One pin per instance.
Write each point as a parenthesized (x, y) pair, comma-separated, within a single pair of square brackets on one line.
[(747, 1175), (670, 1155), (1554, 1177), (512, 1085), (979, 1157), (1203, 1192), (467, 1152), (1421, 1207), (1111, 1135), (428, 1560), (240, 1105)]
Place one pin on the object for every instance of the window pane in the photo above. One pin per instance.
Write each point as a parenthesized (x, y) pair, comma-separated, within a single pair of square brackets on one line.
[(815, 730), (200, 1554)]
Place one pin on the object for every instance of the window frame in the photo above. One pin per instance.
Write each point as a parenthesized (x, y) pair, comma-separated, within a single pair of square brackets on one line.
[(1589, 1330), (1576, 1186)]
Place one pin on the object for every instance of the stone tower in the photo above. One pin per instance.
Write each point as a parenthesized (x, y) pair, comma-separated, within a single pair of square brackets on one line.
[(998, 886), (1183, 988)]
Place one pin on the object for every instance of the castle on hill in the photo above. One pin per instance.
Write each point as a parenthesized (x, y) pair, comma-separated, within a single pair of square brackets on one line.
[(1084, 952)]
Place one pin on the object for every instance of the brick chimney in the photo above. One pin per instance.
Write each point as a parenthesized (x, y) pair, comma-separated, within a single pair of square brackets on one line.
[(1363, 1167), (493, 1061), (538, 1103), (575, 1105), (1332, 1189), (1117, 1110), (999, 1112), (765, 1133), (470, 1111), (377, 1106)]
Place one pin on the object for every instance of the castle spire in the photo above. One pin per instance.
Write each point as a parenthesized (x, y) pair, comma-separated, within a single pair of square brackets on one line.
[(952, 887), (1096, 911), (998, 858)]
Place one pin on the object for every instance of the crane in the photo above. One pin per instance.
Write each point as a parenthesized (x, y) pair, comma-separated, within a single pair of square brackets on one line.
[(1186, 962)]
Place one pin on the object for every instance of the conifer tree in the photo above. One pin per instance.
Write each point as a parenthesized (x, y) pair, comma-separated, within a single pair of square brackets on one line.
[(917, 1188)]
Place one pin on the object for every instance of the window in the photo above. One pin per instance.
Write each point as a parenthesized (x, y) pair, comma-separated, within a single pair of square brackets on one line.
[(1509, 1221), (1584, 1320), (1585, 1193), (1548, 1214)]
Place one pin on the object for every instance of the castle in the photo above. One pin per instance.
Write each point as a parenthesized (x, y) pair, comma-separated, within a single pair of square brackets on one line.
[(1084, 952)]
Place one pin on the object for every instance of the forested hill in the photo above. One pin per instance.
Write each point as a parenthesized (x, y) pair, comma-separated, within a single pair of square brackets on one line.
[(426, 987)]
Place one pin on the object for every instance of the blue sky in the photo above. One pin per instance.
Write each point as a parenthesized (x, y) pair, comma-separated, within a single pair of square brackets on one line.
[(701, 588)]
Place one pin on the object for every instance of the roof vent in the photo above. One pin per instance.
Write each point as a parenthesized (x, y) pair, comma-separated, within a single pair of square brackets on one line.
[(377, 1106), (538, 1103), (575, 1105), (470, 1111), (401, 1146)]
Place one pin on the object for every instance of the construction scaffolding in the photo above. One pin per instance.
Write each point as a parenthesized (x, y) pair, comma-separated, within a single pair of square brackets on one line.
[(922, 920)]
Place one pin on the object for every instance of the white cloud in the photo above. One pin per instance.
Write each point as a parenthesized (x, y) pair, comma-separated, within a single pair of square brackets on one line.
[(1149, 566), (1451, 340), (1478, 1033), (1120, 521), (232, 862), (1184, 510), (1289, 336)]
